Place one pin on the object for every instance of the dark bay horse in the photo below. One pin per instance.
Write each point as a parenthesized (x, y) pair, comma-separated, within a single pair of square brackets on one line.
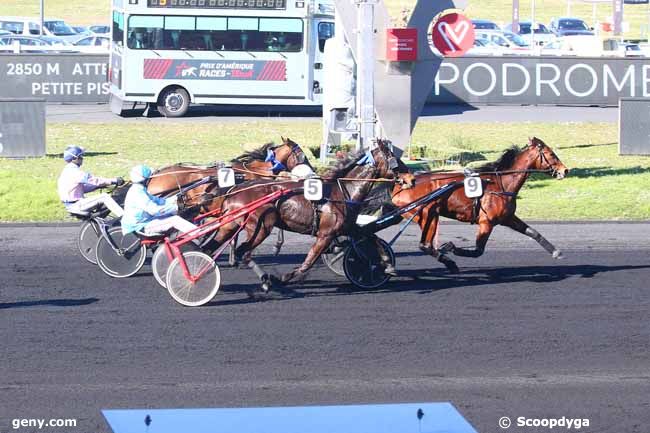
[(335, 215), (502, 181)]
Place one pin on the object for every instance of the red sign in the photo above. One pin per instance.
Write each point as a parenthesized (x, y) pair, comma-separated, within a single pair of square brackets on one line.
[(453, 35), (401, 45)]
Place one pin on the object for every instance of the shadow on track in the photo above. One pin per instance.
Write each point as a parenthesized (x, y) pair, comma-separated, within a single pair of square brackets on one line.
[(49, 302), (420, 281)]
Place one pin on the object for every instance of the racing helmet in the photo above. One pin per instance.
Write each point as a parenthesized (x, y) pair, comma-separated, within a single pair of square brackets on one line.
[(302, 171), (73, 152), (140, 173)]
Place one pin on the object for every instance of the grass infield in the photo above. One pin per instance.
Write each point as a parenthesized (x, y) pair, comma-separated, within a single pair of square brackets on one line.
[(602, 185)]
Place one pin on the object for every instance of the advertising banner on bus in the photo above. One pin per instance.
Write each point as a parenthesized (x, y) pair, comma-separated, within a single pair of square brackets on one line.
[(256, 70)]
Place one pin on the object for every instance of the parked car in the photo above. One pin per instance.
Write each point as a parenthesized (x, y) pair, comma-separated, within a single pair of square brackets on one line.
[(32, 43), (100, 29), (483, 47), (508, 42), (577, 45), (60, 29), (32, 27), (542, 34), (82, 31), (485, 25), (93, 44), (568, 26), (5, 33)]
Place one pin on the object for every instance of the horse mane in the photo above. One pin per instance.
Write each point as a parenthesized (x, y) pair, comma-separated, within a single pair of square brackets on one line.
[(255, 154), (343, 166), (506, 160)]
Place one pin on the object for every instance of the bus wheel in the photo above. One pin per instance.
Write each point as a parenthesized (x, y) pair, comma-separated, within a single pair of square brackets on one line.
[(174, 102)]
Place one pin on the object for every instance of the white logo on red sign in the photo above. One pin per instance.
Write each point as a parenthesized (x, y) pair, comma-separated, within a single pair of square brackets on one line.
[(453, 35)]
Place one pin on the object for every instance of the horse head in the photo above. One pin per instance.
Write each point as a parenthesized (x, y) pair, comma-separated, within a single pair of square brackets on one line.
[(290, 154), (392, 167), (547, 159)]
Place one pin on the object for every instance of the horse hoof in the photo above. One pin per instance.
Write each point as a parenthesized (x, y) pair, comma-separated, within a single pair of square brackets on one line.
[(266, 286), (426, 250), (390, 270), (557, 254), (446, 248), (286, 278), (273, 280)]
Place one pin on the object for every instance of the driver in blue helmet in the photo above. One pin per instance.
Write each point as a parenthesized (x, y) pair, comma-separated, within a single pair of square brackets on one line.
[(74, 183), (148, 213)]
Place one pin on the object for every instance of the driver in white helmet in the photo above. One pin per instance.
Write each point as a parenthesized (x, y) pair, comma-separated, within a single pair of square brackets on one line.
[(148, 213), (74, 183)]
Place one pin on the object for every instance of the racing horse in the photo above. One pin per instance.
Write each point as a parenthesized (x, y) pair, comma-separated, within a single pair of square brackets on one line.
[(350, 182), (502, 179), (266, 161)]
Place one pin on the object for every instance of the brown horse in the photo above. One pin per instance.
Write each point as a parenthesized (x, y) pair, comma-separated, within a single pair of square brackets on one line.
[(502, 181), (266, 161), (335, 215)]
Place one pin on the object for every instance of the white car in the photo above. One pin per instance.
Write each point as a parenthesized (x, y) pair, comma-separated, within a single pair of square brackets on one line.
[(93, 44), (25, 26), (509, 42), (483, 47)]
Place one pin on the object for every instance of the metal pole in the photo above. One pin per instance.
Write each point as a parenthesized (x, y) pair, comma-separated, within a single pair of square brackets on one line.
[(532, 24), (515, 16), (42, 4), (365, 73)]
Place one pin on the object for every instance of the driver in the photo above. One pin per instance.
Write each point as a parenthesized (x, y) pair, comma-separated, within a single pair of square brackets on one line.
[(145, 211), (74, 183)]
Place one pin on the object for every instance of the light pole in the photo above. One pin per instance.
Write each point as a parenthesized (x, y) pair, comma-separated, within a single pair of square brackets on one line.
[(532, 24), (42, 16)]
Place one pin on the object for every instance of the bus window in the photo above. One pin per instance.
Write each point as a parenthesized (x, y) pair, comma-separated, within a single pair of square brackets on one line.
[(211, 32), (118, 28), (145, 32), (215, 33), (325, 31), (281, 34)]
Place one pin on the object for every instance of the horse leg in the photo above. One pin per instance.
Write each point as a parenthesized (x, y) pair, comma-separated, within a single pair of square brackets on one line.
[(278, 243), (484, 231), (232, 256), (314, 253), (519, 226), (428, 247), (256, 234)]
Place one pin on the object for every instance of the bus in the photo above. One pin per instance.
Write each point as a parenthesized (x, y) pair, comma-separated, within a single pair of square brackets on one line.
[(171, 53)]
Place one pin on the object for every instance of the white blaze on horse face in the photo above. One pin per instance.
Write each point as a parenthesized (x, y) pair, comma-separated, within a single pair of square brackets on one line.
[(226, 177)]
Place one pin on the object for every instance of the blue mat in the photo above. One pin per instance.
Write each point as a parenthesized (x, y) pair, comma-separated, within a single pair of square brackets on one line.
[(385, 418)]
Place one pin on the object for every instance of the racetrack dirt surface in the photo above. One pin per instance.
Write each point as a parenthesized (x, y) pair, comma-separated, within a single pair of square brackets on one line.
[(515, 334)]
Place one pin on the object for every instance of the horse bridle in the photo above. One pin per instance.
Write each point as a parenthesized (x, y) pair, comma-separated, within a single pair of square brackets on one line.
[(544, 160)]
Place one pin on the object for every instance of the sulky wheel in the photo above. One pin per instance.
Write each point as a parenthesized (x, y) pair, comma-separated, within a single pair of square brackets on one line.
[(160, 262), (205, 273), (87, 241), (333, 256), (363, 265), (126, 260)]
